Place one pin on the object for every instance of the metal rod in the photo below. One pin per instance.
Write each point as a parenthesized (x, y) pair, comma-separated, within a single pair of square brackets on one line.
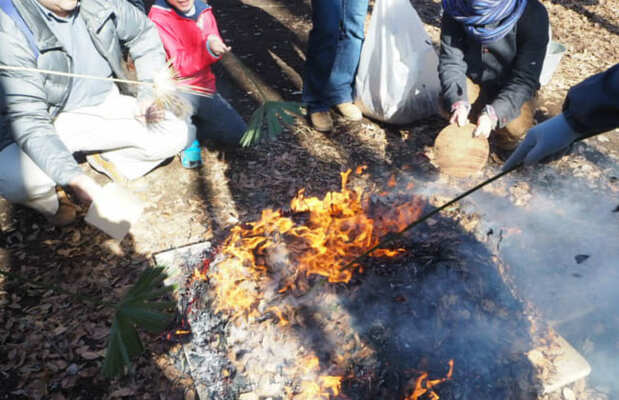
[(389, 237)]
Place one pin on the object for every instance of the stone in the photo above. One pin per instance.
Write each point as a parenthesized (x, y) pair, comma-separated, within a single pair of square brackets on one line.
[(567, 365)]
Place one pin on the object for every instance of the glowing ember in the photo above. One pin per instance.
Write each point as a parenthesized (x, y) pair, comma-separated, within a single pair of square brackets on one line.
[(424, 385)]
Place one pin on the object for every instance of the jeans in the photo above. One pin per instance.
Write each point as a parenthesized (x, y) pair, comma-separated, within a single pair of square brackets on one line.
[(333, 52), (215, 119)]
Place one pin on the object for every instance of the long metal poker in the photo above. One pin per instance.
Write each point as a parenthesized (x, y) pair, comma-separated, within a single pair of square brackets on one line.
[(391, 236)]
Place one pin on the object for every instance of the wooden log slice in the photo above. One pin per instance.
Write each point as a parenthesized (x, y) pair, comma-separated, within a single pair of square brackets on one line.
[(457, 153)]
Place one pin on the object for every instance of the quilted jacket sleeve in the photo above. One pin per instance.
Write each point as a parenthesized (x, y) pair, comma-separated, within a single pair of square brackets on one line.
[(30, 124), (139, 35), (523, 82), (452, 66), (592, 106)]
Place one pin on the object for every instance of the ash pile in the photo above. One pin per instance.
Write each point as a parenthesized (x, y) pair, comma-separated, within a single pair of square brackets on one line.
[(278, 311)]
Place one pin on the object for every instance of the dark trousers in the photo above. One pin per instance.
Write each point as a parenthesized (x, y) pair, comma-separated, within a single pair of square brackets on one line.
[(215, 119)]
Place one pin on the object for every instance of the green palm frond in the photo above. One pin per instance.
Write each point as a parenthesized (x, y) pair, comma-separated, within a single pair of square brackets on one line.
[(275, 113), (139, 308)]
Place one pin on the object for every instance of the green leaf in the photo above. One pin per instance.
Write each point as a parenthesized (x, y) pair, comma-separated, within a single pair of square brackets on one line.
[(272, 111), (137, 309), (124, 344), (253, 128), (149, 319)]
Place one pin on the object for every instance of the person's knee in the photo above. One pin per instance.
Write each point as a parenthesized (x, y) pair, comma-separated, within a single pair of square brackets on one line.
[(172, 137), (520, 125), (22, 193)]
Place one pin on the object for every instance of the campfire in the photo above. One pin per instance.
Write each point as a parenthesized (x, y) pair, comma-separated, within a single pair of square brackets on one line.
[(281, 310), (315, 237)]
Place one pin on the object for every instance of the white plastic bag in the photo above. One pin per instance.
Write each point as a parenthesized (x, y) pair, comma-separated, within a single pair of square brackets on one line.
[(397, 80), (554, 53)]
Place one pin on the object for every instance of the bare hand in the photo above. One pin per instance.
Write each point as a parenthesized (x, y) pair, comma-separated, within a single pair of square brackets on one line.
[(217, 46), (85, 188)]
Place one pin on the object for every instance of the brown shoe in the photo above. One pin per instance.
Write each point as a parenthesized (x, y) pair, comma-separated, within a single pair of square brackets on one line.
[(67, 211), (322, 121), (105, 167), (349, 111)]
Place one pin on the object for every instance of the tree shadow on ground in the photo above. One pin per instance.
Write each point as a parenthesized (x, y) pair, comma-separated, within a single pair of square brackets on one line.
[(279, 50), (579, 7)]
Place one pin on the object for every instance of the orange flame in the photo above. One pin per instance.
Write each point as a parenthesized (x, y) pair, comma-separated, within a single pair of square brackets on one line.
[(198, 275), (424, 385), (337, 229), (283, 321), (392, 181), (322, 388)]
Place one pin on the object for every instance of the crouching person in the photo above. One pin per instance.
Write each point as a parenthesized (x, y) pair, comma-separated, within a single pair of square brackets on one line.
[(490, 62), (192, 42), (50, 117)]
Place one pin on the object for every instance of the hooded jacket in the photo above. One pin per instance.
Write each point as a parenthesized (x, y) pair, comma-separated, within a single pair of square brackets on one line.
[(34, 99), (185, 41), (592, 106), (509, 68)]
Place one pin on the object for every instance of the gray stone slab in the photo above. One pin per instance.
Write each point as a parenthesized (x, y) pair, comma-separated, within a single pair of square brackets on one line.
[(559, 364)]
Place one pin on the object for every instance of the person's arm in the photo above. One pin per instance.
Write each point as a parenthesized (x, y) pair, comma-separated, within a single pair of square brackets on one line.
[(214, 42), (27, 111), (452, 66), (591, 107), (139, 35), (139, 4), (523, 82), (185, 59)]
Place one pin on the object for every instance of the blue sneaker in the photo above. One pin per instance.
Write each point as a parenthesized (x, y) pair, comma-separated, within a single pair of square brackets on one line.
[(191, 156)]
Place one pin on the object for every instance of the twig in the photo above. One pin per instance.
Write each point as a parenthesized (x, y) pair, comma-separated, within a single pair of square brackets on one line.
[(191, 89)]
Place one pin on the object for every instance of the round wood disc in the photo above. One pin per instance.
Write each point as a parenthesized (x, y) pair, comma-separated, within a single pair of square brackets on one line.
[(457, 153)]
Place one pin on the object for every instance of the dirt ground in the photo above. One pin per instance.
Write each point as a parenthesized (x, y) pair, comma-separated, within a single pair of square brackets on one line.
[(52, 347)]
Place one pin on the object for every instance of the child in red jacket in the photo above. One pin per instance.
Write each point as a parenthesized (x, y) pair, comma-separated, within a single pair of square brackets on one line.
[(189, 34)]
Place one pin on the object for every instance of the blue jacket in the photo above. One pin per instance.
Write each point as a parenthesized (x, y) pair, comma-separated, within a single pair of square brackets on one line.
[(592, 106)]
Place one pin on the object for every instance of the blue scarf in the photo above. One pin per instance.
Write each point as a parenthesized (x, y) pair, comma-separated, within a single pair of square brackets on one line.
[(475, 15)]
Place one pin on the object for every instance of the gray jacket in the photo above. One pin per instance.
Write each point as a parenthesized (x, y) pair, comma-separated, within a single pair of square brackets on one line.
[(34, 99)]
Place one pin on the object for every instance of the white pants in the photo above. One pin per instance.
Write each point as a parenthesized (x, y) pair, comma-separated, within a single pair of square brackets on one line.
[(109, 128)]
